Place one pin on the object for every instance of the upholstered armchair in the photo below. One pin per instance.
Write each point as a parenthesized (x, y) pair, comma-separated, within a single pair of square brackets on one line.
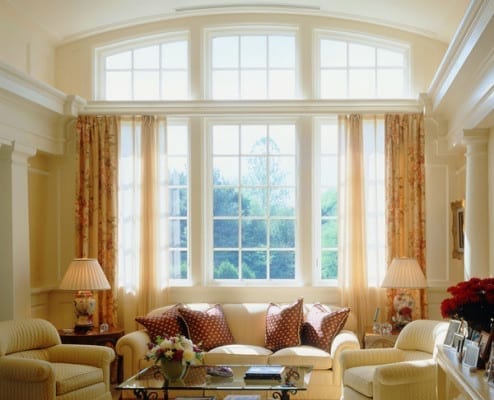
[(405, 372), (35, 365)]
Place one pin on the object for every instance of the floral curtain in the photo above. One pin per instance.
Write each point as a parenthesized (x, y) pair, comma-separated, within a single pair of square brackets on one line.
[(405, 197), (96, 201)]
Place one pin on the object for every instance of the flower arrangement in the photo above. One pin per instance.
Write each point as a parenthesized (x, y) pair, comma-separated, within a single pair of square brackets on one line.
[(174, 348), (472, 301)]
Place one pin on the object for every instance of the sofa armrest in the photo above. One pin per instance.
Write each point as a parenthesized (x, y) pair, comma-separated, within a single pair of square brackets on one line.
[(344, 341), (132, 347), (97, 356), (361, 357)]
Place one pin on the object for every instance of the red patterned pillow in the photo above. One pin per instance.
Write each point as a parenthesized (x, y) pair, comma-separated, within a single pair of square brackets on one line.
[(207, 329), (283, 325), (166, 324), (321, 326)]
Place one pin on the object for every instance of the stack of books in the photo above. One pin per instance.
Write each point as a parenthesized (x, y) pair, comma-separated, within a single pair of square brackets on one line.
[(264, 373)]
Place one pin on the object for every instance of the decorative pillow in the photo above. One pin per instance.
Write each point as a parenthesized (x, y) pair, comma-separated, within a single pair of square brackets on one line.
[(207, 329), (166, 324), (283, 325), (322, 325)]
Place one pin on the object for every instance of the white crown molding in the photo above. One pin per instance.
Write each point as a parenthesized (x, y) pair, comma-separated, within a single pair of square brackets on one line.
[(251, 107)]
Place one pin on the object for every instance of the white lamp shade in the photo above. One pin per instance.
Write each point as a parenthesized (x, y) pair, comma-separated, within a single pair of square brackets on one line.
[(404, 273), (84, 274)]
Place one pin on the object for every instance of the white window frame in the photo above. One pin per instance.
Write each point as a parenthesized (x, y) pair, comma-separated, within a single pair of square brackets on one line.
[(100, 54), (368, 40), (248, 29)]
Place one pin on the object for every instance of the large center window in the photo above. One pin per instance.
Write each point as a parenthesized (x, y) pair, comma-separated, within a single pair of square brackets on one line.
[(253, 201)]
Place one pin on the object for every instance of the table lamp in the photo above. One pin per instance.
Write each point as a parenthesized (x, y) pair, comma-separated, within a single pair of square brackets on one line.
[(84, 275), (403, 273)]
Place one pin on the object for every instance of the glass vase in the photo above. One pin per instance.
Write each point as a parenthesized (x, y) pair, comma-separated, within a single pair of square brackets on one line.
[(172, 371)]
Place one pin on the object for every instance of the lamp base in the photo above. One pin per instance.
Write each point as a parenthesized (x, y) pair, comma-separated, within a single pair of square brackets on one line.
[(403, 304), (85, 305)]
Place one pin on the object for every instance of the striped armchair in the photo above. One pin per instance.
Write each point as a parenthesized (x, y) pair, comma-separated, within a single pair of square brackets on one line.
[(35, 365)]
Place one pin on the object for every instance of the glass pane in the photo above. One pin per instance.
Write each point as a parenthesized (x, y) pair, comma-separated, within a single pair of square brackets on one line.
[(225, 52), (177, 143), (225, 202), (333, 53), (282, 171), (177, 170), (254, 233), (282, 202), (253, 85), (281, 84), (282, 139), (329, 139), (390, 83), (225, 139), (174, 85), (362, 84), (360, 55), (178, 264), (329, 233), (146, 85), (174, 55), (254, 202), (253, 51), (282, 233), (254, 171), (281, 51), (334, 84), (147, 57), (254, 265), (225, 171), (225, 85), (225, 265), (282, 265), (329, 202), (225, 233), (177, 202), (389, 58), (178, 233), (119, 61), (253, 139), (329, 265), (118, 86), (329, 171)]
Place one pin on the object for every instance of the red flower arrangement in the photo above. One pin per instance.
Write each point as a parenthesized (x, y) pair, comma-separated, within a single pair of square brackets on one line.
[(472, 301)]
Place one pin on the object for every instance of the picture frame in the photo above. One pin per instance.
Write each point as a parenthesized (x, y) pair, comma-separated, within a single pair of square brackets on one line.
[(454, 327), (485, 344), (458, 340), (471, 356), (490, 367), (458, 214)]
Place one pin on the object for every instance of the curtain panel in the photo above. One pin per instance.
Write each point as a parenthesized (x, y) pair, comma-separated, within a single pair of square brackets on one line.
[(405, 197), (96, 201)]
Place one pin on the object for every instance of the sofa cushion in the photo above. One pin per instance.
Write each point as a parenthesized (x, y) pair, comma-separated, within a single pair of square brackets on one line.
[(321, 326), (70, 377), (302, 355), (207, 329), (237, 354), (283, 325), (166, 324), (360, 379)]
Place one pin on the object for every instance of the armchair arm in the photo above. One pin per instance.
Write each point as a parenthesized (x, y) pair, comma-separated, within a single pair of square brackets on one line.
[(361, 357), (97, 356), (132, 347), (344, 341)]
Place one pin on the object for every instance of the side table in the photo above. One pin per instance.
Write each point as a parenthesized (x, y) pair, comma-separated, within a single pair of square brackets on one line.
[(97, 338), (373, 340)]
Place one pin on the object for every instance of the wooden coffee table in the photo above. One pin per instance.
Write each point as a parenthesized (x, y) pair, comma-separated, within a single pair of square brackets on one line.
[(147, 384)]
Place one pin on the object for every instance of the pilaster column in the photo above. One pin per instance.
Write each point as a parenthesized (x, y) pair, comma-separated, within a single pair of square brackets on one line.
[(15, 282), (476, 255)]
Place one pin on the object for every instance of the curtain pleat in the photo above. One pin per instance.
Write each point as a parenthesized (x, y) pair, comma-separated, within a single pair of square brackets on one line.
[(96, 201), (405, 197)]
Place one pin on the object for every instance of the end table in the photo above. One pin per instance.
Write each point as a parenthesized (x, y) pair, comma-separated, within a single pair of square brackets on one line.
[(97, 338), (373, 340)]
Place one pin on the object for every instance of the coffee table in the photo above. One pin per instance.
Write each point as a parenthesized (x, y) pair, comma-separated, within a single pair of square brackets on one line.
[(147, 383)]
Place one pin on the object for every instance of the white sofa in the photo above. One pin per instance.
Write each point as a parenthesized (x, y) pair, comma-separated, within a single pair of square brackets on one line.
[(247, 323)]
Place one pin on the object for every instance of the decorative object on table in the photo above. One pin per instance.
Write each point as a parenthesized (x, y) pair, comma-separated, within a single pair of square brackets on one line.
[(173, 355), (471, 354), (268, 372), (471, 301), (83, 276), (454, 327), (485, 343), (403, 273)]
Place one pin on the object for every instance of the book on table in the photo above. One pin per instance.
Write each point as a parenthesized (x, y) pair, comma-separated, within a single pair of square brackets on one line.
[(264, 372)]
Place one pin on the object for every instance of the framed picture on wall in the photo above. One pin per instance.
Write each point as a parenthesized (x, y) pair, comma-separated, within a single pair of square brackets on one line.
[(458, 216)]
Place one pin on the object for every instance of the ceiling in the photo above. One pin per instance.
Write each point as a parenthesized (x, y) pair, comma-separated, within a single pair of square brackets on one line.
[(68, 20)]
